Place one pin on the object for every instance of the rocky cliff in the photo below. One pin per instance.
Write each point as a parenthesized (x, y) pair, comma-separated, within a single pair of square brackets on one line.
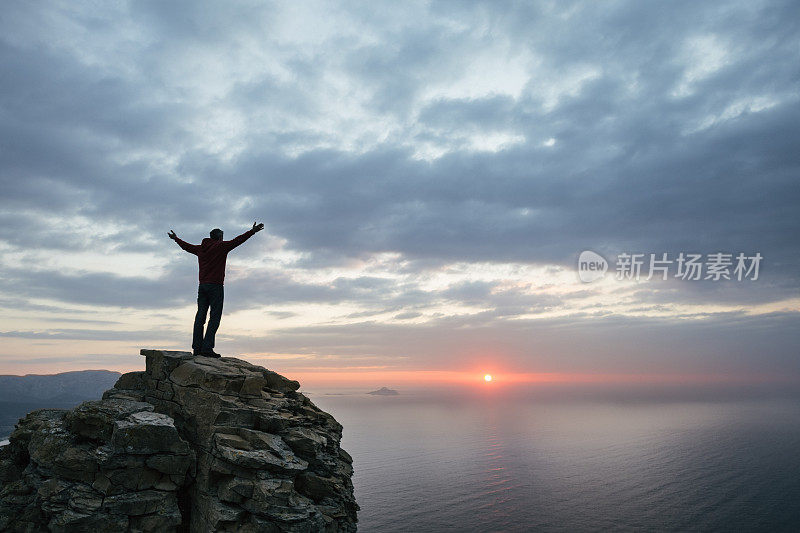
[(190, 444)]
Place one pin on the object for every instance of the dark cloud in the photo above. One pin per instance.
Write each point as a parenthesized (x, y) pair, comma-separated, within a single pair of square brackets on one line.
[(92, 335), (621, 174), (98, 288)]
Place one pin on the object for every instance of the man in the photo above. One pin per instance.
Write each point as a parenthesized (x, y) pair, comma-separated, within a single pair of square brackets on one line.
[(211, 256)]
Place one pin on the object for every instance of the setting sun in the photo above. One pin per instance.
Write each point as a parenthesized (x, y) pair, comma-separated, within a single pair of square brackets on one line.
[(487, 377)]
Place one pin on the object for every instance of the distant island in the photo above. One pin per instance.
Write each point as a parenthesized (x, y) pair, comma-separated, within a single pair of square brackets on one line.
[(384, 391)]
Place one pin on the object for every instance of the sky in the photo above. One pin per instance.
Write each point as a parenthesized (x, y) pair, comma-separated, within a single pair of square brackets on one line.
[(428, 174)]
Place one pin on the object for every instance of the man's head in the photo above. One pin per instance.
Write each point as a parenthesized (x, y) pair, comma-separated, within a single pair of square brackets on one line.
[(216, 234)]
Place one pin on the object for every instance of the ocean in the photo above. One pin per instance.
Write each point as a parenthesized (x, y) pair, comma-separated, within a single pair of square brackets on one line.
[(486, 463)]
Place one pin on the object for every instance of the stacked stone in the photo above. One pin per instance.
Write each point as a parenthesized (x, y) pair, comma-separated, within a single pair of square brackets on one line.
[(107, 465), (192, 442)]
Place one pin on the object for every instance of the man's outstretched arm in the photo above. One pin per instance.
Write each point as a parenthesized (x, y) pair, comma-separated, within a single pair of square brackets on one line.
[(191, 248), (233, 243)]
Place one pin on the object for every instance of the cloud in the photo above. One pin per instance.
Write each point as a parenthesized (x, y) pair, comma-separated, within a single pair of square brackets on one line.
[(101, 289), (90, 334), (383, 144), (721, 343)]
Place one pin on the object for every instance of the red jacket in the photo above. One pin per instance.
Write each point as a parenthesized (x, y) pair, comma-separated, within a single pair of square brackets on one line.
[(211, 255)]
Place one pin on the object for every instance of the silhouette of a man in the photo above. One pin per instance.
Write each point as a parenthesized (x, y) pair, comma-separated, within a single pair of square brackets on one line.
[(211, 256)]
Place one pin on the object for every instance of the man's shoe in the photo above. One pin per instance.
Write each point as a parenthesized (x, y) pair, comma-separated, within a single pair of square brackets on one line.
[(196, 352), (210, 353)]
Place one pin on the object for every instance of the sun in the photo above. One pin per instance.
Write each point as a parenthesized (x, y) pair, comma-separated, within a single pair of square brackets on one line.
[(487, 377)]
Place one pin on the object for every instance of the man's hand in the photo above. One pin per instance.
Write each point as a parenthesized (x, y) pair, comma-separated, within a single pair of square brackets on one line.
[(172, 235), (258, 227)]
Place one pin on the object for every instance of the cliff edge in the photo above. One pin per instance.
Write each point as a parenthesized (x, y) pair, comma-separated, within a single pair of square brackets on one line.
[(190, 444)]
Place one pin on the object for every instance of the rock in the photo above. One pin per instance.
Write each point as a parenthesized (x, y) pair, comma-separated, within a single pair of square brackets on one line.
[(170, 464), (147, 434), (278, 383), (236, 490), (262, 460), (131, 381), (204, 443), (75, 480), (138, 503), (232, 440), (304, 441), (95, 419), (131, 386), (345, 456)]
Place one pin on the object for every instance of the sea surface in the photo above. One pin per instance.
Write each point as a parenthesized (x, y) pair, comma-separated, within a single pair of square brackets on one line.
[(522, 464)]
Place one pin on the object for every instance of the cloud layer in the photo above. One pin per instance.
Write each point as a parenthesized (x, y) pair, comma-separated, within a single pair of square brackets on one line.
[(423, 171)]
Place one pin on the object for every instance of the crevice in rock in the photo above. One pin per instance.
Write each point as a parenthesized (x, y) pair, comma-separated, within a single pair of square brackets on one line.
[(185, 508)]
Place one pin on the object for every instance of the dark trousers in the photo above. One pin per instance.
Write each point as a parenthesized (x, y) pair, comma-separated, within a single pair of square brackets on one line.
[(208, 295)]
